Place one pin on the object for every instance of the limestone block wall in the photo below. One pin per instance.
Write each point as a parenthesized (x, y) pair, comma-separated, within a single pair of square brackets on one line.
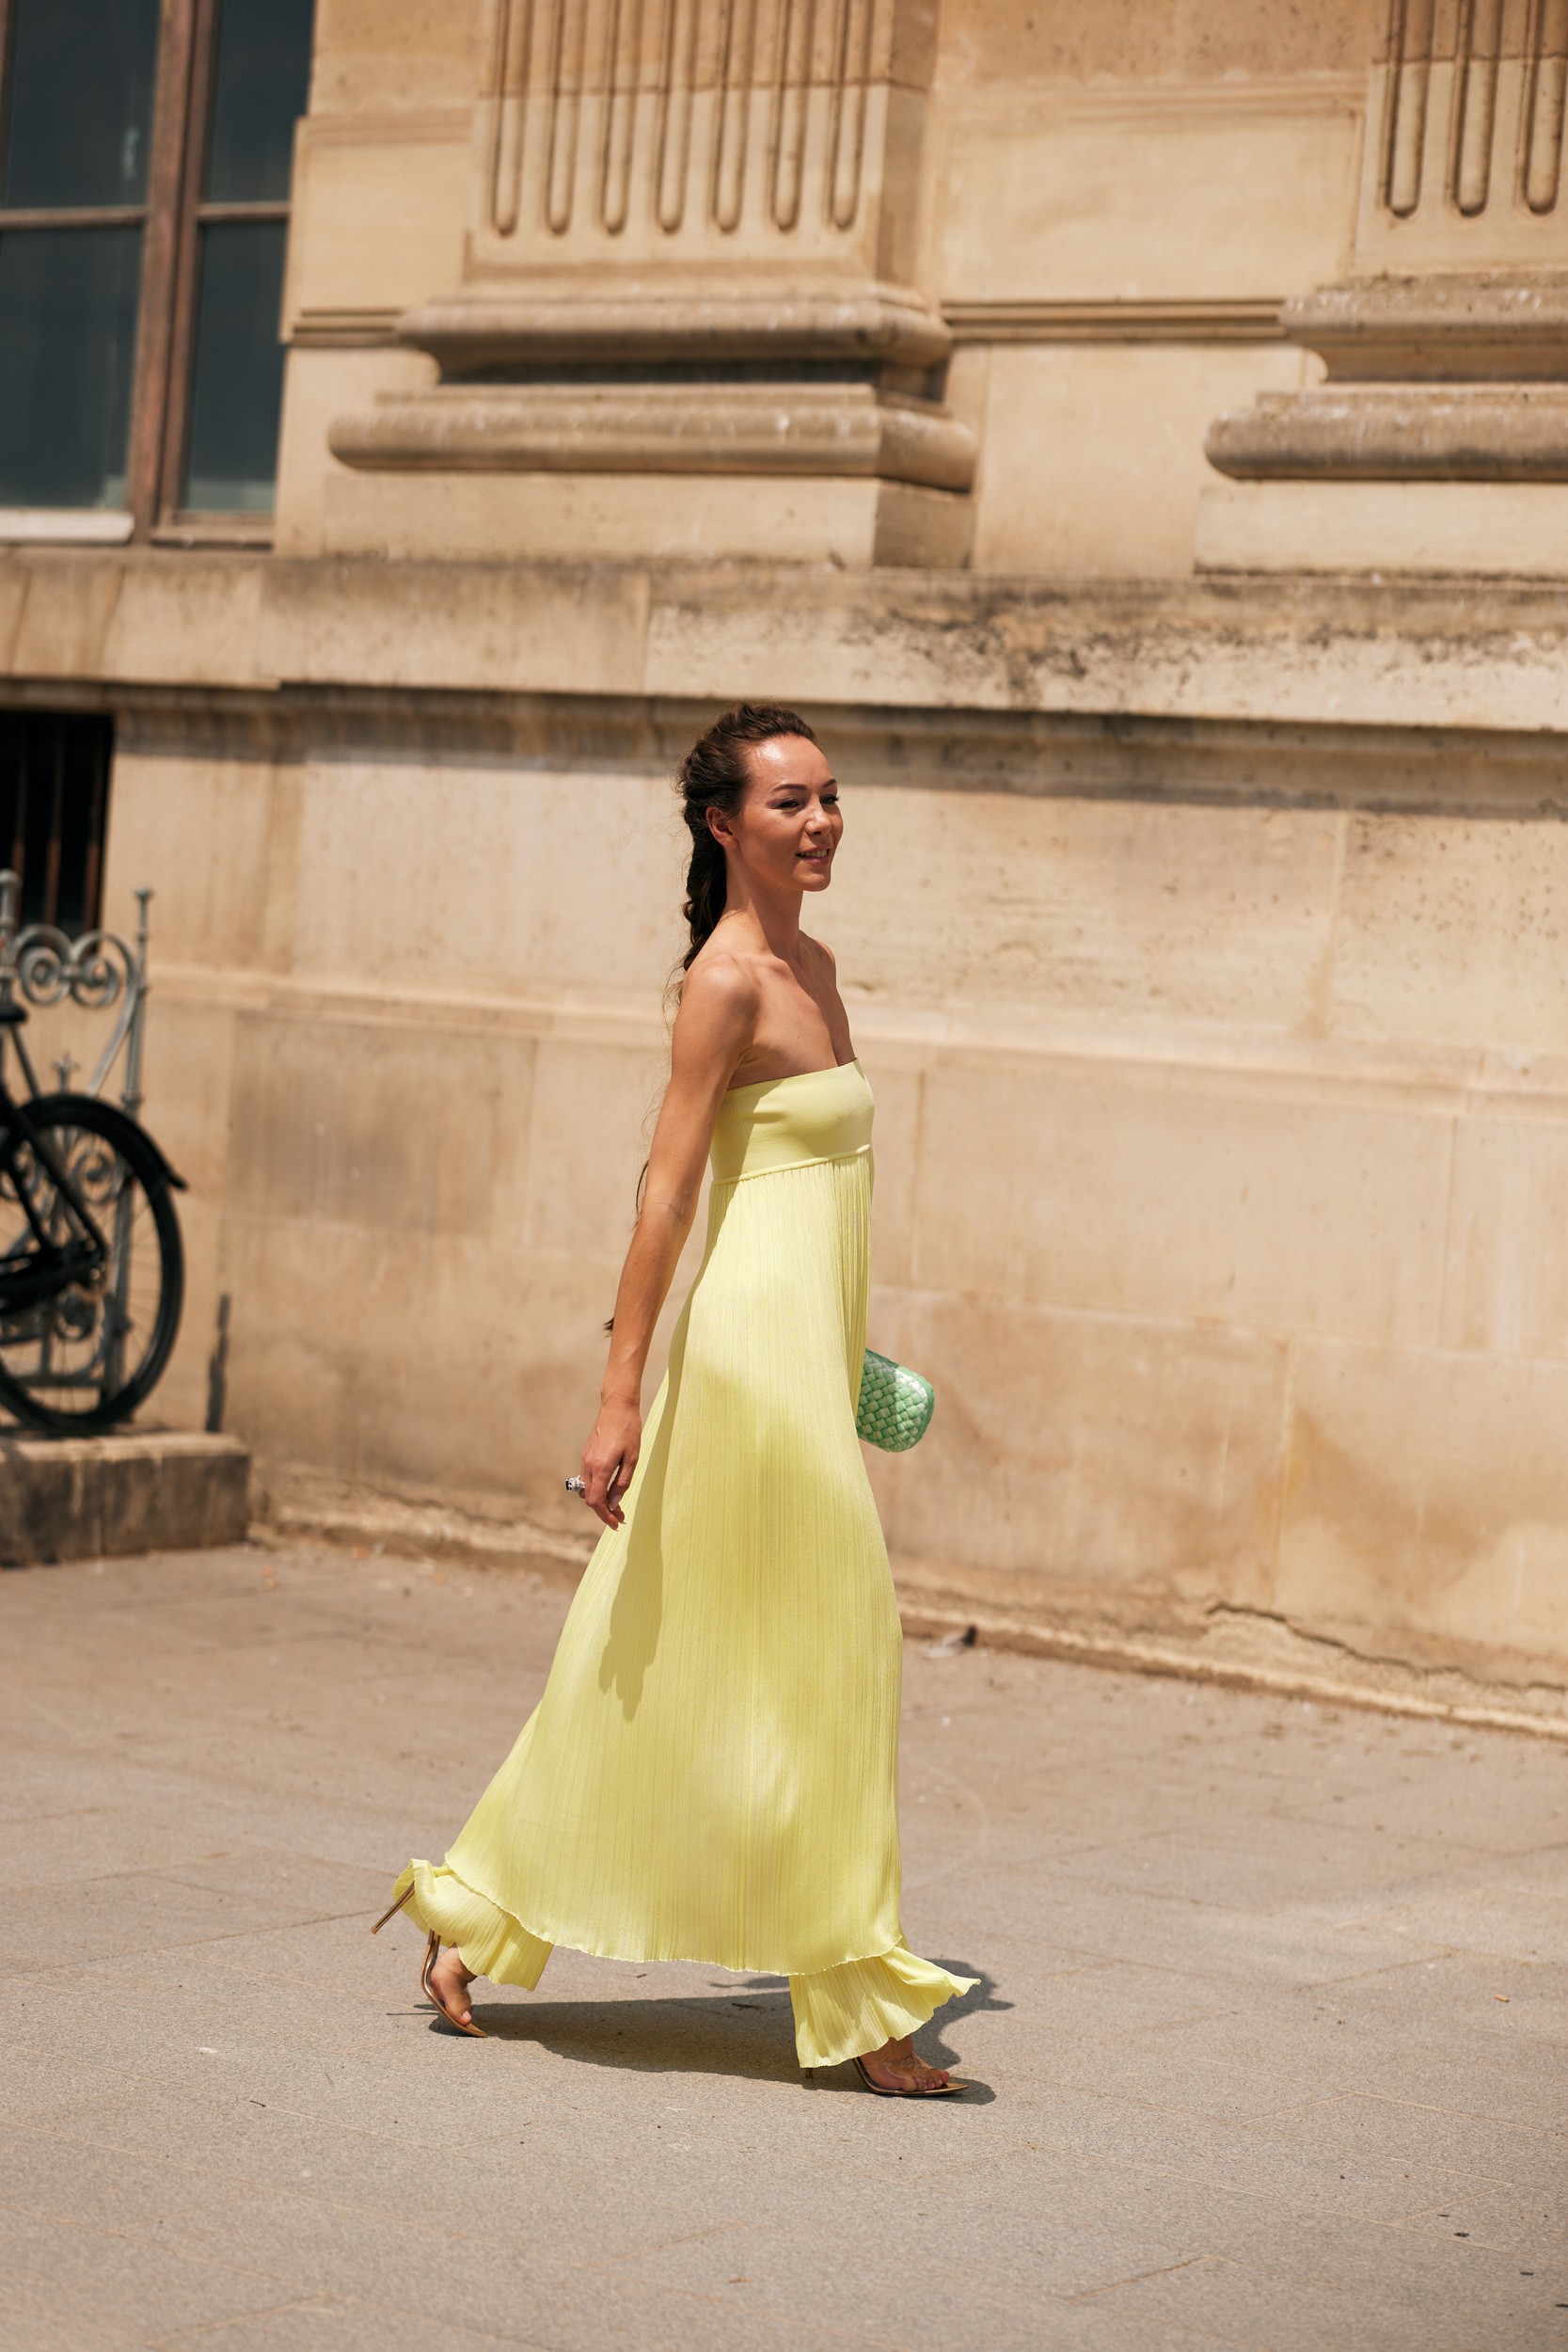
[(1200, 912), (1220, 1050)]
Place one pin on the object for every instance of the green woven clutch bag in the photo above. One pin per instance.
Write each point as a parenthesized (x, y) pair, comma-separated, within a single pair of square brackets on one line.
[(896, 1404)]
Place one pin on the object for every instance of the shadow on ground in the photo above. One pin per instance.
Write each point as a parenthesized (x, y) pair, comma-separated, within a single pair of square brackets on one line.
[(745, 2030)]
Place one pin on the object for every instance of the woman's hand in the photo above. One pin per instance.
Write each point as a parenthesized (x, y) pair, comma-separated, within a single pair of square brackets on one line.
[(610, 1459)]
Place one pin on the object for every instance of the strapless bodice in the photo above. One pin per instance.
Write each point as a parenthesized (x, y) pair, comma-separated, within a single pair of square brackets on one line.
[(789, 1123)]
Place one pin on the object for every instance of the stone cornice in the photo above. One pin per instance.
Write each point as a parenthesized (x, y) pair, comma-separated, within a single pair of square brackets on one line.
[(1086, 684)]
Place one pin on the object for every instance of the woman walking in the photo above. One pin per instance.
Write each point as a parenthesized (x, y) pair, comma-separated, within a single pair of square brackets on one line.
[(712, 1772)]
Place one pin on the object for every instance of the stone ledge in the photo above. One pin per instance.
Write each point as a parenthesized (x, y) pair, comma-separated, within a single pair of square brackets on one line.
[(1398, 433), (686, 321), (1245, 1649), (95, 1498), (409, 1521), (660, 428), (1495, 327), (1279, 646), (1124, 1630)]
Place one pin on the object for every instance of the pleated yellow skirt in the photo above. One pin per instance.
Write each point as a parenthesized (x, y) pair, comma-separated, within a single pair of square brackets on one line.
[(712, 1772)]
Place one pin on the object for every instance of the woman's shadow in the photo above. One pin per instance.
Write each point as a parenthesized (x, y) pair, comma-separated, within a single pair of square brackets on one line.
[(743, 2026)]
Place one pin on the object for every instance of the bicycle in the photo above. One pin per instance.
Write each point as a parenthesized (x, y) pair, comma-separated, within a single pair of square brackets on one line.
[(91, 1261)]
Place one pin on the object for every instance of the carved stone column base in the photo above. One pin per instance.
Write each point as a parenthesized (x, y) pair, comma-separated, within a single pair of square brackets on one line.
[(1398, 432), (691, 317), (1489, 327), (1437, 444), (661, 428), (665, 517)]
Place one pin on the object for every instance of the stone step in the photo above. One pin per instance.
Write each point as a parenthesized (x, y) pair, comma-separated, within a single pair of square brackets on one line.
[(140, 1490)]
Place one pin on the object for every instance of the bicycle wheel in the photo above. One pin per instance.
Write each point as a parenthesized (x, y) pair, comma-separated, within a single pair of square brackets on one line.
[(86, 1359)]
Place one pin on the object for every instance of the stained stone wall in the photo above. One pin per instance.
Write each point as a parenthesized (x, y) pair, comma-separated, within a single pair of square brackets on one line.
[(1200, 912)]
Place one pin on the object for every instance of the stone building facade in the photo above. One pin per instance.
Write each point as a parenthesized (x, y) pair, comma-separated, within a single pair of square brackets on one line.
[(1136, 432)]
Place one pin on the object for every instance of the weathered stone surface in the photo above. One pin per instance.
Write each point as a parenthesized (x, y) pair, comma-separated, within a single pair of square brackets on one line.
[(1439, 379), (1486, 655), (1444, 327), (663, 428), (690, 324), (1399, 432), (95, 1498)]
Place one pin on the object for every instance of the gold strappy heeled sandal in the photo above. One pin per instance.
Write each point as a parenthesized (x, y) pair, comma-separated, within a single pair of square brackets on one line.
[(883, 2091), (392, 1913), (432, 1954)]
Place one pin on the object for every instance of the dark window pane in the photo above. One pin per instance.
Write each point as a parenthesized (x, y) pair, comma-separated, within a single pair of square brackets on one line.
[(54, 803), (79, 101), (263, 78), (40, 825), (13, 777), (239, 369), (67, 324), (84, 791)]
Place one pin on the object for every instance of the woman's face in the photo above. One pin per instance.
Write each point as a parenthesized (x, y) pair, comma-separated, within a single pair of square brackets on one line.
[(786, 828)]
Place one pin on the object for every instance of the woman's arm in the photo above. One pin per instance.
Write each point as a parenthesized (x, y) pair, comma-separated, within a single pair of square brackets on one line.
[(713, 1029)]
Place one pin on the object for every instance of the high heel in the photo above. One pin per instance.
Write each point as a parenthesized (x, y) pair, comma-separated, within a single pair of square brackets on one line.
[(432, 1954), (396, 1908), (938, 2090)]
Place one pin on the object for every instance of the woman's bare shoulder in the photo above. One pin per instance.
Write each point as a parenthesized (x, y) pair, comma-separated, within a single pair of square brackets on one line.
[(718, 1013), (721, 980)]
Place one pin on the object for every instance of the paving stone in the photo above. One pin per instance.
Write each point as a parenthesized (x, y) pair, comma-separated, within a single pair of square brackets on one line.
[(1212, 2298), (233, 2123), (324, 2324), (1476, 2146), (60, 2180), (114, 2273)]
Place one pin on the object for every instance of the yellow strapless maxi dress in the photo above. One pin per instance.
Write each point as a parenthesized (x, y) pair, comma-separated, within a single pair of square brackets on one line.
[(712, 1772)]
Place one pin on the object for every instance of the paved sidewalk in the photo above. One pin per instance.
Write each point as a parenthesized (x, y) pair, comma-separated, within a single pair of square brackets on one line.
[(1271, 2045)]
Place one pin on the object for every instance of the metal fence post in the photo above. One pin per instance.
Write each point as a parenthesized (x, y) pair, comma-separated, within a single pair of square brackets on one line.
[(132, 1097)]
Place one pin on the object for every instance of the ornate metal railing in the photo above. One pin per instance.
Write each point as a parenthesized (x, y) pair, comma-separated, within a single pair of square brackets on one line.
[(100, 972)]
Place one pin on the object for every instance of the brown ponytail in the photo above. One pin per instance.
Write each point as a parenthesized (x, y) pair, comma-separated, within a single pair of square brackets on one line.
[(714, 774)]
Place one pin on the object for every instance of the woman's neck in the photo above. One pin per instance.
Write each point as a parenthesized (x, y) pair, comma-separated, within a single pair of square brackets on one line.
[(775, 915)]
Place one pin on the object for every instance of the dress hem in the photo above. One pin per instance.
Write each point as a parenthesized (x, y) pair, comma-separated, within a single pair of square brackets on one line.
[(656, 1959), (841, 2011)]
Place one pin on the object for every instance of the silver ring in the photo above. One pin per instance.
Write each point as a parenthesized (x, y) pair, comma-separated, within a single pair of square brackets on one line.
[(575, 1486)]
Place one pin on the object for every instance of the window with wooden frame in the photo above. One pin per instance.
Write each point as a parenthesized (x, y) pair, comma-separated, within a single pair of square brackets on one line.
[(144, 155)]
